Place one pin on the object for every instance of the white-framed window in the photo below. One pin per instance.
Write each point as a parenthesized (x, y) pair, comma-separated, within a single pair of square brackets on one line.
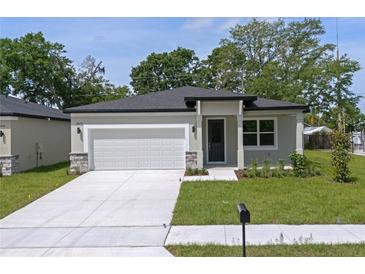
[(260, 133)]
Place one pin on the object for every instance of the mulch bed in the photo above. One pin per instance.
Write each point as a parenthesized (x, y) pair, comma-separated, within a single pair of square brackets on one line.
[(240, 173)]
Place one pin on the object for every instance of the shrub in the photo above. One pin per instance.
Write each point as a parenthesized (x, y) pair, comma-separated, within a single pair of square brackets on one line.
[(302, 166), (265, 171), (298, 163), (195, 171), (252, 170), (340, 156), (280, 171)]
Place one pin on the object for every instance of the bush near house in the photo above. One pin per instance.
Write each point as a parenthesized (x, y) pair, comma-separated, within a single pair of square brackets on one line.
[(196, 171), (302, 166)]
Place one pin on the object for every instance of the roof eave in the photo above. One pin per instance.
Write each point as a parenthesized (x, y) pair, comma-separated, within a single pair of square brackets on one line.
[(126, 110), (304, 108), (220, 98), (33, 116)]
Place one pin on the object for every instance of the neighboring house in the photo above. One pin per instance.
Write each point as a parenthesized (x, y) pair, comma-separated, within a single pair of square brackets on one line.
[(183, 127), (31, 135), (316, 130), (358, 140), (317, 137)]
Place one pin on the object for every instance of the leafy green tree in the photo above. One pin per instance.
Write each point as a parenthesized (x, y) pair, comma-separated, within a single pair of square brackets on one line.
[(279, 58), (223, 69), (35, 69), (38, 70), (160, 71), (285, 61), (340, 156), (341, 108), (90, 86)]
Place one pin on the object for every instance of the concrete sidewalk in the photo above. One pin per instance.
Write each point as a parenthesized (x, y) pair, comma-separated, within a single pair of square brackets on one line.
[(266, 234)]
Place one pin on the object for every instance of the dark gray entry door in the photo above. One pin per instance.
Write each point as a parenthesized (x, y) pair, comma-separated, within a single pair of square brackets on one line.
[(216, 140)]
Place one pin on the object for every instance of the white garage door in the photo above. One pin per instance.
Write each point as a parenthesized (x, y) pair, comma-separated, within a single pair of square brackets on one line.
[(114, 149)]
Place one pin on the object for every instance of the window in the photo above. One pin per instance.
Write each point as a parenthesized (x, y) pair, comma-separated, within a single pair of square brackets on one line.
[(259, 133)]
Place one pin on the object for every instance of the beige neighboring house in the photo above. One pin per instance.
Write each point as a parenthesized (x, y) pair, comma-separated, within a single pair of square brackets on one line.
[(184, 127), (31, 135)]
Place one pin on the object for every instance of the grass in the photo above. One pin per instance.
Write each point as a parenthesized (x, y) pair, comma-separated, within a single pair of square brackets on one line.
[(312, 250), (20, 189), (288, 200)]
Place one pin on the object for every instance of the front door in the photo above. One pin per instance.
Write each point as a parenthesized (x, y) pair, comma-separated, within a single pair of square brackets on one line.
[(216, 146)]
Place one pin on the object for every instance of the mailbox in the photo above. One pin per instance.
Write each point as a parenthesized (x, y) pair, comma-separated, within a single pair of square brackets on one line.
[(244, 213), (244, 218)]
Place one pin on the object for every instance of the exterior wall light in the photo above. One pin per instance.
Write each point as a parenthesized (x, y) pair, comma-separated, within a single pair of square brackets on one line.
[(1, 133), (193, 129), (78, 130)]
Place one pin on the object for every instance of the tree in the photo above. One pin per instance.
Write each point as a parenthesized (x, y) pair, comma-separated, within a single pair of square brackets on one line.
[(160, 71), (35, 69), (223, 69), (38, 70), (279, 58), (284, 61), (340, 156), (344, 101), (90, 86)]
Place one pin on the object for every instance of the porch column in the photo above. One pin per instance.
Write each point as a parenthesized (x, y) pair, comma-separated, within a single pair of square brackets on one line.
[(299, 133), (199, 136), (240, 151)]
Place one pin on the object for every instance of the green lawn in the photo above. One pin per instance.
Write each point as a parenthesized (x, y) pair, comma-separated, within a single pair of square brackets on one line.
[(289, 200), (312, 250), (22, 188)]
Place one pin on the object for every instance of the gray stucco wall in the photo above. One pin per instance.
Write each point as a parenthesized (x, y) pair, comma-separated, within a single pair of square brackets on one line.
[(231, 142), (53, 135), (286, 143), (77, 139)]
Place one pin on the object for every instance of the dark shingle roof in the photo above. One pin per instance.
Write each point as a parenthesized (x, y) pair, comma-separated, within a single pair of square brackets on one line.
[(12, 106), (177, 100), (269, 104)]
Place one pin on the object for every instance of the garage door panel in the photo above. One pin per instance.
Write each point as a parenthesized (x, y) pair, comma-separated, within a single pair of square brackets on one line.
[(138, 149)]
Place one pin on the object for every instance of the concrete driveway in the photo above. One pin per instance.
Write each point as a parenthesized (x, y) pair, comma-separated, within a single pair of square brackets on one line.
[(111, 213)]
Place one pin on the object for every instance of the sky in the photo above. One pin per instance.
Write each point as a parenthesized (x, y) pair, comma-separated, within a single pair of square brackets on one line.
[(121, 43)]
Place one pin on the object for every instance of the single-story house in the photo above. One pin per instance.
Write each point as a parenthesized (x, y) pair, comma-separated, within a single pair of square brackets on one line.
[(31, 135), (183, 127)]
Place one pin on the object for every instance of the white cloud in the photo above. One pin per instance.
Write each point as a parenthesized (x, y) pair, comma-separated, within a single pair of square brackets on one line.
[(198, 23), (230, 22)]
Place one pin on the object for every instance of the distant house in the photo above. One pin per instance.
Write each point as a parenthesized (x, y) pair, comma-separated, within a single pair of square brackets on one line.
[(317, 137), (358, 140), (31, 135)]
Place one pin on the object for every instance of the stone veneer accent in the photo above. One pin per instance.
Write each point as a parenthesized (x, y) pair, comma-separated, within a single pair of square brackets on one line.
[(78, 163), (191, 159), (8, 164)]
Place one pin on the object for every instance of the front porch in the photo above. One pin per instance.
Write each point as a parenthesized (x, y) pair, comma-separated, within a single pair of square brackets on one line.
[(219, 133)]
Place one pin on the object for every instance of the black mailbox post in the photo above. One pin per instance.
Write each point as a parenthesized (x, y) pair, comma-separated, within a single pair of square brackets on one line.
[(244, 218)]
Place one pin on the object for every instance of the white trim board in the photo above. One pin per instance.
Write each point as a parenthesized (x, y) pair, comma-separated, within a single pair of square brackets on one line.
[(225, 139), (131, 114), (8, 118), (87, 127)]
